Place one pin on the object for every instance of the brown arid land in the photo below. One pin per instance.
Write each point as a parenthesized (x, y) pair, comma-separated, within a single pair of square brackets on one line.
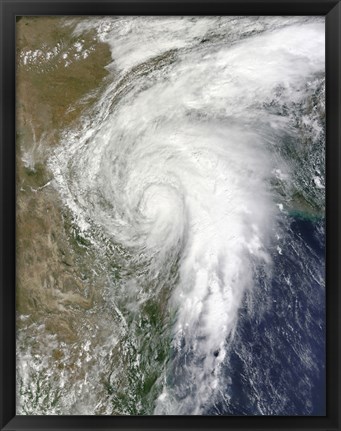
[(57, 82)]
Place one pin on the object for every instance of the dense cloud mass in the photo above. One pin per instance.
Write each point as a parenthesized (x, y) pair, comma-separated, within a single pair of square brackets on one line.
[(191, 162)]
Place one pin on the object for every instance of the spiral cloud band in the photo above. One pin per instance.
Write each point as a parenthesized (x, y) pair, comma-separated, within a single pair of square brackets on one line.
[(177, 164)]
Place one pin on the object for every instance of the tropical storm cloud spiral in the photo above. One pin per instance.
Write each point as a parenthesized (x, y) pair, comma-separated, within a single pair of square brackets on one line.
[(200, 175)]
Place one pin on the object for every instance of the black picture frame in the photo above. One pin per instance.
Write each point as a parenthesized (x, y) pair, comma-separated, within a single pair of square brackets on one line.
[(9, 10)]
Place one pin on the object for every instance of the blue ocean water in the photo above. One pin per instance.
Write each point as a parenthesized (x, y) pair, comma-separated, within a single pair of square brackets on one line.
[(276, 364)]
